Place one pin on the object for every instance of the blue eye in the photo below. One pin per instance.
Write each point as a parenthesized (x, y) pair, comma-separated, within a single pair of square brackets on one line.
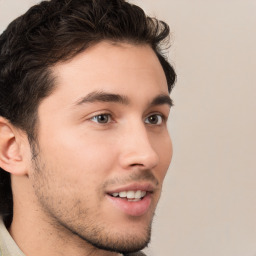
[(101, 119), (155, 119)]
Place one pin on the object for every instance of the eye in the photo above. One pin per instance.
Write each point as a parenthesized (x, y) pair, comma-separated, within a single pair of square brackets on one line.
[(155, 119), (102, 118)]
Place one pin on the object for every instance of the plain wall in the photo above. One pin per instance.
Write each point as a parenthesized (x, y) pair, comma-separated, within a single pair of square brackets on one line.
[(208, 205)]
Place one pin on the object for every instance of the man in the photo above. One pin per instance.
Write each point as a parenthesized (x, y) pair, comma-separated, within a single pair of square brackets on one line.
[(84, 145)]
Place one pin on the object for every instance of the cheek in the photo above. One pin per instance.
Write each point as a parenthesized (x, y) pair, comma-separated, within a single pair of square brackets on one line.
[(79, 157)]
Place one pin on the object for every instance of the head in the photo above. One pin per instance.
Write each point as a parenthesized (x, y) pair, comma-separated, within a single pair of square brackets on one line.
[(81, 83)]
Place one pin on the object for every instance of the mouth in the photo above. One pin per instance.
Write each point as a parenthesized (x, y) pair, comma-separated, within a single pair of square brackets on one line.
[(131, 196), (132, 200)]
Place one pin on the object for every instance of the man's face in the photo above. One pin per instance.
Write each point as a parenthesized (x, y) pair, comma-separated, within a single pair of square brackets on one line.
[(104, 148)]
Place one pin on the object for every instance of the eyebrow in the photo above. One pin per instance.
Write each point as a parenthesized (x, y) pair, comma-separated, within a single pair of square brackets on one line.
[(100, 96), (162, 99)]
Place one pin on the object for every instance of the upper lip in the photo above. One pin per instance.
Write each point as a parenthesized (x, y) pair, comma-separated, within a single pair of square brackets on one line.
[(146, 186)]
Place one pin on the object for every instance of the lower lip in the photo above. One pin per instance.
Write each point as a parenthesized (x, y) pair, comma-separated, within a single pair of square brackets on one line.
[(131, 208)]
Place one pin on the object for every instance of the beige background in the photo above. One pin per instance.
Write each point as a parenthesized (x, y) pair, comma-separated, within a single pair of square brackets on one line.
[(208, 207)]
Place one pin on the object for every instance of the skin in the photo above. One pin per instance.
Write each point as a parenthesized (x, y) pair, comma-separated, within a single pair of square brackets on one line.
[(61, 197)]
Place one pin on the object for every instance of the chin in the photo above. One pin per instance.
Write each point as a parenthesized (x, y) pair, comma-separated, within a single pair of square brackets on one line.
[(126, 240), (122, 243)]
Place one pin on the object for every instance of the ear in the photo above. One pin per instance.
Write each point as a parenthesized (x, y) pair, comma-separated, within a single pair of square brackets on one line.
[(12, 158)]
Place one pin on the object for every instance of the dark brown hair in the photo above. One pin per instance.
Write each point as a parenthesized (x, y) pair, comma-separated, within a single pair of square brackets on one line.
[(55, 31)]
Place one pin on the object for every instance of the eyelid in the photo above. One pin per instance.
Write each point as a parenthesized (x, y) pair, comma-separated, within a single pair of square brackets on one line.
[(94, 118), (102, 114), (163, 117), (95, 113)]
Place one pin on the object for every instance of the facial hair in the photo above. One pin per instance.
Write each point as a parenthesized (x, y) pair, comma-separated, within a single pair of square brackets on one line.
[(78, 220)]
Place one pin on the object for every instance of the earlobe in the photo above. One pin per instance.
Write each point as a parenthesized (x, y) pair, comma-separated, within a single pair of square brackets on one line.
[(11, 158)]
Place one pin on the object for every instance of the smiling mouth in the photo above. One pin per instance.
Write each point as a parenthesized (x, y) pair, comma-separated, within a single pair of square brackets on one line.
[(132, 195), (133, 200)]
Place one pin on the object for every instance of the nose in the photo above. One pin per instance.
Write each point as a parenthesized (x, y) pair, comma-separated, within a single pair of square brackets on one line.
[(137, 150)]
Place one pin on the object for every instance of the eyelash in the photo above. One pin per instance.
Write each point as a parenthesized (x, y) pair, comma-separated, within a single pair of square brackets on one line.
[(94, 118), (162, 119), (161, 116)]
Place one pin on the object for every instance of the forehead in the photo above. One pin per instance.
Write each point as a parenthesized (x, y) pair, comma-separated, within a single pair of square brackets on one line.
[(121, 68)]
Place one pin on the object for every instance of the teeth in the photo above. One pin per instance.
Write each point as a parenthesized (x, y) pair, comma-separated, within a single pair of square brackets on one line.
[(134, 200), (122, 194), (137, 194), (130, 195), (143, 193)]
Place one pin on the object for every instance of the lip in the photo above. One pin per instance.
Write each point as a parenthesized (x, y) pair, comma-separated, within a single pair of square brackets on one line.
[(132, 208), (148, 187)]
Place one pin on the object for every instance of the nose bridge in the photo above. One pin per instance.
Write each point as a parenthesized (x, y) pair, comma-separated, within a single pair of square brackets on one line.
[(137, 149)]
